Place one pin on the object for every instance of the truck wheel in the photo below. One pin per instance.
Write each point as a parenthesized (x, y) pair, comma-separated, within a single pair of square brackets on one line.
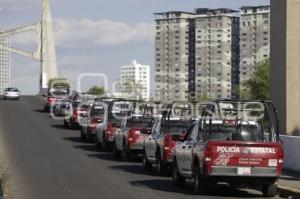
[(97, 143), (126, 153), (161, 168), (269, 190), (105, 144), (82, 136), (115, 151), (65, 124), (178, 180), (72, 125), (146, 164), (199, 185)]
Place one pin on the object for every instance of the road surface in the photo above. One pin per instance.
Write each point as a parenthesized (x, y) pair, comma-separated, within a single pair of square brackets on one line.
[(46, 161)]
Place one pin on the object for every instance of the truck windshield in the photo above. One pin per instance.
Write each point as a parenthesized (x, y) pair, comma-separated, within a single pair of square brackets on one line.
[(141, 122), (236, 133), (97, 112), (177, 126)]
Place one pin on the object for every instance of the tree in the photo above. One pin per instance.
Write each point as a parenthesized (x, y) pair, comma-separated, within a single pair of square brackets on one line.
[(257, 87), (132, 89), (96, 90)]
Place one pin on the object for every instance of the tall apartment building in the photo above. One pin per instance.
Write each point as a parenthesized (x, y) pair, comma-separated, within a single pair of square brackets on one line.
[(135, 77), (4, 64), (254, 38), (174, 55), (217, 53)]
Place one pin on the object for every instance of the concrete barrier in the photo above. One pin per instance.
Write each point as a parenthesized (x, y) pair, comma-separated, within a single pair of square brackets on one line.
[(291, 146)]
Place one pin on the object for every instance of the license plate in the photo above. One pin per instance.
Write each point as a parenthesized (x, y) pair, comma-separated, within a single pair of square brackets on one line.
[(244, 171)]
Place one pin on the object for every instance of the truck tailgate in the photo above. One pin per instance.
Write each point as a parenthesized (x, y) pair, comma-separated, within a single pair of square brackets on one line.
[(246, 158)]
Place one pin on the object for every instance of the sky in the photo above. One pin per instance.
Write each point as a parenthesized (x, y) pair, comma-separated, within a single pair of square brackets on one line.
[(93, 36)]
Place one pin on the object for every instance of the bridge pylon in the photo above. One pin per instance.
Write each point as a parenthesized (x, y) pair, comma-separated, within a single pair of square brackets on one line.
[(45, 52)]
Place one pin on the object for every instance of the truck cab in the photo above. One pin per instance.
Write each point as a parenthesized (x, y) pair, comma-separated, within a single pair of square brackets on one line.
[(160, 144), (237, 143), (115, 111), (91, 120)]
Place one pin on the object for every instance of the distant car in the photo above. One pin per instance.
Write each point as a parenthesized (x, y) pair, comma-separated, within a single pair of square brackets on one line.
[(12, 93)]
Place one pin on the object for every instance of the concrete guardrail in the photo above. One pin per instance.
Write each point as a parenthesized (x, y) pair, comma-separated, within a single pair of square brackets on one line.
[(291, 146)]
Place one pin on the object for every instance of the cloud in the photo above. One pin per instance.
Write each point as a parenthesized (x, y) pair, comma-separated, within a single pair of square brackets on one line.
[(104, 32), (71, 33)]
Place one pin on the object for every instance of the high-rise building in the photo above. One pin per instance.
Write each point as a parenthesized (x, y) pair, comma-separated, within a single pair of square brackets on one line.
[(4, 64), (217, 53), (285, 63), (174, 55), (254, 38), (135, 80)]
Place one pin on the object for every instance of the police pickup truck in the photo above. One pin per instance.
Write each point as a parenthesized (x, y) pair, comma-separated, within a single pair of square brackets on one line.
[(237, 143)]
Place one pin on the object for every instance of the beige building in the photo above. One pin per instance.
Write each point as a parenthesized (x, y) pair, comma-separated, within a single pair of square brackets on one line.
[(217, 54), (172, 55), (254, 38), (5, 72), (135, 80), (285, 63)]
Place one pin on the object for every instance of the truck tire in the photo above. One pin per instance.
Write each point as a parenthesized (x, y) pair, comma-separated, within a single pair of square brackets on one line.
[(269, 190), (116, 152), (105, 144), (199, 185), (72, 124), (83, 137), (178, 180), (126, 153), (146, 164), (66, 124), (97, 143), (160, 166)]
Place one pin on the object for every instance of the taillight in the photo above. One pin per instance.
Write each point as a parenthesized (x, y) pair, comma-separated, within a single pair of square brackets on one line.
[(51, 100), (75, 113), (280, 160), (133, 135), (207, 160), (169, 144), (167, 141), (96, 120)]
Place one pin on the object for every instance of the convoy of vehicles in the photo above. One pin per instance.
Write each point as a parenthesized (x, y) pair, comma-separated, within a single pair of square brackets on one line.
[(222, 141), (11, 93)]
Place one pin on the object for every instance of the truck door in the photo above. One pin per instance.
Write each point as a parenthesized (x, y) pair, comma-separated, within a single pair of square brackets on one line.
[(119, 134), (151, 140), (180, 151), (188, 147)]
